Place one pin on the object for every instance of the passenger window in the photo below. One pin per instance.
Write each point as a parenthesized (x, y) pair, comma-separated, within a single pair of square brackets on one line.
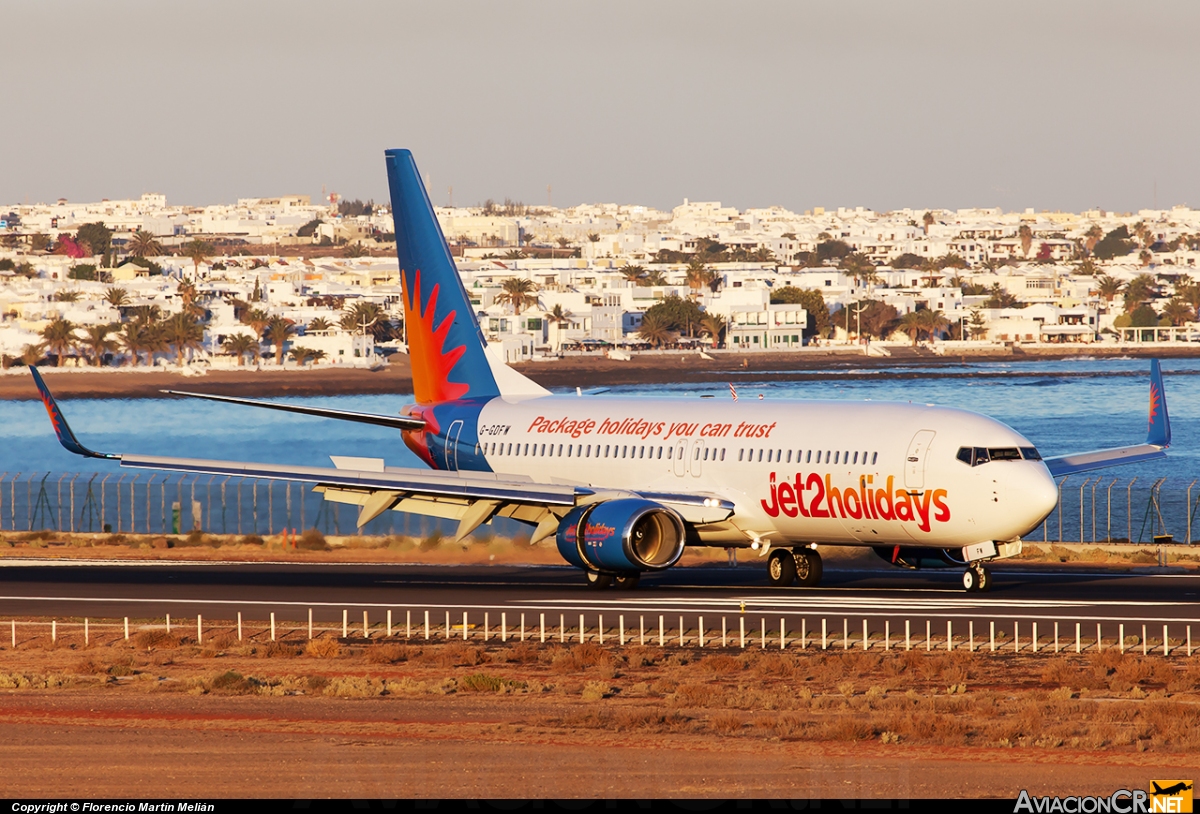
[(856, 457), (722, 453), (696, 456), (808, 458), (837, 456), (760, 452), (741, 454), (789, 460), (874, 458)]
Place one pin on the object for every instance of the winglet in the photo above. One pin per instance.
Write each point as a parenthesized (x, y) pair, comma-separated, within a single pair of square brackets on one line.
[(59, 421), (1159, 430)]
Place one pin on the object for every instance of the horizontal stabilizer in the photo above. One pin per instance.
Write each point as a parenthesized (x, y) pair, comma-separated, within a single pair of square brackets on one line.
[(395, 421)]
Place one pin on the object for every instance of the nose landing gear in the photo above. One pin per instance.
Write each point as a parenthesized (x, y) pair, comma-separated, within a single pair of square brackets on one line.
[(977, 579)]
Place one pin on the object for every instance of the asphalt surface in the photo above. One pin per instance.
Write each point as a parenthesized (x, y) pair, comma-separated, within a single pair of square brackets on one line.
[(845, 600)]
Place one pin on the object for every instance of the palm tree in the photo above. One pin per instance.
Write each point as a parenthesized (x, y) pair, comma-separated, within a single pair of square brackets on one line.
[(319, 324), (257, 319), (699, 274), (241, 345), (143, 244), (1108, 287), (280, 330), (364, 317), (1179, 312), (519, 293), (116, 297), (514, 254), (654, 277), (1026, 235), (59, 338), (928, 220), (31, 354), (301, 355), (183, 333), (633, 274), (66, 296), (198, 251), (713, 325), (1141, 289), (1091, 237), (95, 338), (932, 322), (656, 330), (355, 249), (911, 324), (138, 336)]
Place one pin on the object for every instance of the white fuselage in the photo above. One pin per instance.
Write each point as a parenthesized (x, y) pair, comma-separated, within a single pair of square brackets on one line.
[(854, 473)]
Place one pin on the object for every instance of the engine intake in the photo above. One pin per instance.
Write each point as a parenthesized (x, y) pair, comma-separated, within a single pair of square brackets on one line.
[(616, 536)]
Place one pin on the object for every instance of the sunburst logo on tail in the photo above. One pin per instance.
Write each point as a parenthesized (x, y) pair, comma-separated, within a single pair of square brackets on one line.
[(431, 361), (1155, 399)]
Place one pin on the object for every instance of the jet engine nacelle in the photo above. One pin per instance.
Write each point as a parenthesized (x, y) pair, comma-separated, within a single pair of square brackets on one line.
[(620, 536), (917, 557)]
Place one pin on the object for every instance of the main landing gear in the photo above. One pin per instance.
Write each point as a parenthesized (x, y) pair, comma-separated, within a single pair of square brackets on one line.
[(598, 581), (802, 566), (977, 579)]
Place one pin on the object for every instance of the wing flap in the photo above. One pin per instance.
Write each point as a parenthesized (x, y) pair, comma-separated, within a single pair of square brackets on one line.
[(396, 479)]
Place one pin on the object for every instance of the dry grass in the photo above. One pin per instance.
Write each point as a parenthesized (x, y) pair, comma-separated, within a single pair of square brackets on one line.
[(1102, 701)]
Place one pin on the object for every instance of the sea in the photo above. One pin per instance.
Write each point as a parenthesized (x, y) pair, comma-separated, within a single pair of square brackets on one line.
[(1061, 405)]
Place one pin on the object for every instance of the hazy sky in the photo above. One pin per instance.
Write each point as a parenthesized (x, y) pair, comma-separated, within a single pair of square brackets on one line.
[(1048, 104)]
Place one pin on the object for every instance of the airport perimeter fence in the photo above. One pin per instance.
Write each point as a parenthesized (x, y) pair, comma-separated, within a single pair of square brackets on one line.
[(1090, 509), (141, 503), (568, 627), (1106, 509)]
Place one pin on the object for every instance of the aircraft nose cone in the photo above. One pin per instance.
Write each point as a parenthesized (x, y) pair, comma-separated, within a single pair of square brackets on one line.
[(1038, 494)]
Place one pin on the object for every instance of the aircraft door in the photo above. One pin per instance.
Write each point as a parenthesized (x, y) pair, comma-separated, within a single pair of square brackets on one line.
[(452, 445), (914, 459), (698, 453), (681, 450)]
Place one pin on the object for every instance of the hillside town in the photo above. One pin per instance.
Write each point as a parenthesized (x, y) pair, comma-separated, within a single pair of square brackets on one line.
[(283, 282)]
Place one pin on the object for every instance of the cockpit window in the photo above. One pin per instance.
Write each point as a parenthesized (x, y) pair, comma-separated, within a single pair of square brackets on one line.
[(977, 456), (1004, 454)]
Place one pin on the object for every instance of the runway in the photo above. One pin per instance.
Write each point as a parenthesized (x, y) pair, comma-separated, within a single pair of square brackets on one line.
[(847, 598)]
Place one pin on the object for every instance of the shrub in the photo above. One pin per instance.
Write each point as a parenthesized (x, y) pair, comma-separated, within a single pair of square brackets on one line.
[(155, 639), (323, 649), (595, 690), (312, 540)]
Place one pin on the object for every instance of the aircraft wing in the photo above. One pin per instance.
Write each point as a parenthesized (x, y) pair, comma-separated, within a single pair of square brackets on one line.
[(472, 498), (1158, 438), (398, 422)]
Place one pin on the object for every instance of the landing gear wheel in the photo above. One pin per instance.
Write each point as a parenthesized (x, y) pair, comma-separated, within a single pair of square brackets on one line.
[(809, 567), (781, 568), (596, 580), (970, 581), (977, 579), (985, 579), (628, 581)]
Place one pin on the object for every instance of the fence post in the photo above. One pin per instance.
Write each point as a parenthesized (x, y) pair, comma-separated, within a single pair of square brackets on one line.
[(1145, 646), (426, 625), (199, 629), (239, 626), (54, 630), (366, 627), (389, 623), (1035, 642), (971, 634), (464, 624), (949, 636), (486, 625), (845, 634), (642, 630), (662, 632), (447, 625), (582, 629), (992, 634), (407, 625), (1078, 641), (87, 634), (824, 635), (1121, 633), (1056, 637), (700, 634), (907, 635), (621, 622), (742, 627), (1166, 650), (542, 623), (887, 635), (1099, 639), (503, 626), (310, 623), (272, 625), (126, 631), (1016, 637)]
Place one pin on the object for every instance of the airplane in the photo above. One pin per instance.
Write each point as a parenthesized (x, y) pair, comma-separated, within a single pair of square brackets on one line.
[(625, 484), (1171, 790)]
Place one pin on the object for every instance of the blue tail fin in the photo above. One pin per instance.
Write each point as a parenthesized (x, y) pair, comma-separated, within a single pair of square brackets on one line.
[(445, 343), (1159, 431)]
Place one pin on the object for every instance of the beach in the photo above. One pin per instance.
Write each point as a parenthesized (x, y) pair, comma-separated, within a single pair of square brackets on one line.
[(567, 372)]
